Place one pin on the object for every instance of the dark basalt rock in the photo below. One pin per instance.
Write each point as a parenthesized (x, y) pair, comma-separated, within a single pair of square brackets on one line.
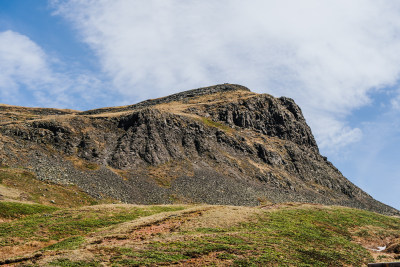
[(280, 118), (218, 145)]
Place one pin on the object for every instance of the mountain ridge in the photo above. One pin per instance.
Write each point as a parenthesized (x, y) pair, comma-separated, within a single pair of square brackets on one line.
[(221, 144)]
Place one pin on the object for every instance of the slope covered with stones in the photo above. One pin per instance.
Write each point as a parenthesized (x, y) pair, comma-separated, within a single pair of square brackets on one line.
[(219, 145)]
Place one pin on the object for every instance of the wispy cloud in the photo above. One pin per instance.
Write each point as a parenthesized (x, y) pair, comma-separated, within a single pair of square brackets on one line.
[(328, 55), (395, 101), (28, 76), (22, 62)]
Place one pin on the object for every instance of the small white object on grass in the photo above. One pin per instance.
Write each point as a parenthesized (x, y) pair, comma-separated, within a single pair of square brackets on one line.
[(381, 248)]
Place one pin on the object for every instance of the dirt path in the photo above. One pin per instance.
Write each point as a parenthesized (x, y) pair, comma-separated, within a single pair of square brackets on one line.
[(137, 234)]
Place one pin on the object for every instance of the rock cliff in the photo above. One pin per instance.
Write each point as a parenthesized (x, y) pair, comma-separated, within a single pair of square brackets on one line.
[(221, 145)]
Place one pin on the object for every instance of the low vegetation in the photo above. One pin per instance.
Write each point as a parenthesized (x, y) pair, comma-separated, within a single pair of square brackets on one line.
[(221, 126), (296, 237), (19, 184), (82, 164), (289, 234), (16, 210), (50, 225), (67, 244)]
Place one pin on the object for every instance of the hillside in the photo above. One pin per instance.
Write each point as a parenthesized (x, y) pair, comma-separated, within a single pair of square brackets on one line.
[(287, 234), (218, 145)]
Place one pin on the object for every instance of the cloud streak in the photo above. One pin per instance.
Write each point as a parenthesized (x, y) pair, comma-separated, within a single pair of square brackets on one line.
[(28, 76), (22, 62)]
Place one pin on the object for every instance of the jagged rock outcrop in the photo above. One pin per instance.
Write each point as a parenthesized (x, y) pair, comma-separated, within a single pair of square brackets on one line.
[(221, 145)]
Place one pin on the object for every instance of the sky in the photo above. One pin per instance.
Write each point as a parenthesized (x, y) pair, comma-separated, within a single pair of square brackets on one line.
[(339, 60)]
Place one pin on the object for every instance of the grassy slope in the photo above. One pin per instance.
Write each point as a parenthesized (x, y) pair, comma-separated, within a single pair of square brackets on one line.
[(128, 235), (49, 228), (19, 184)]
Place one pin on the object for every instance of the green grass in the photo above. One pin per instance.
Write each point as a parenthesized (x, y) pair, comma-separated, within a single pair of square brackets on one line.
[(16, 210), (68, 263), (209, 230), (67, 244), (146, 258), (298, 237), (66, 223), (292, 236)]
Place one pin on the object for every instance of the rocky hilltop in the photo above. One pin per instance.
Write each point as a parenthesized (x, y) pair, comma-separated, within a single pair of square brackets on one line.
[(220, 145)]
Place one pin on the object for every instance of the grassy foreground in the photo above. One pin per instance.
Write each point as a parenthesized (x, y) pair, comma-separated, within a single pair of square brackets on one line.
[(128, 235)]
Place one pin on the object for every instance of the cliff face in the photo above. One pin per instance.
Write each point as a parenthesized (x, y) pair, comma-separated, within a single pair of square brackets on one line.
[(221, 145)]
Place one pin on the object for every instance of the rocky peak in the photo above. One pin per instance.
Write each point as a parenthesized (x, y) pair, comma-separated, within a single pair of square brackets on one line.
[(221, 144)]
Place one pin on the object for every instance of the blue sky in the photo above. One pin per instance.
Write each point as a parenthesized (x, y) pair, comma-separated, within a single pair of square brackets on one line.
[(339, 60)]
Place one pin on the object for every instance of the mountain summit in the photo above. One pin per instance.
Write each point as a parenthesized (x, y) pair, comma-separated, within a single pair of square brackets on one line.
[(221, 144)]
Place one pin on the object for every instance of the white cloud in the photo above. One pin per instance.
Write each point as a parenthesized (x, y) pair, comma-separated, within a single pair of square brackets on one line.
[(327, 55), (335, 134), (27, 76), (395, 101), (21, 62)]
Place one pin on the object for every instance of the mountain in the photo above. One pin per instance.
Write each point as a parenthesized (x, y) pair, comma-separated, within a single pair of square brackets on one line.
[(218, 145)]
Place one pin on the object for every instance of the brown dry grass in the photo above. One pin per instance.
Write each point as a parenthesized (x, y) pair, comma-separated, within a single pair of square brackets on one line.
[(165, 174), (9, 194), (15, 114), (210, 259), (73, 255), (22, 249), (28, 109), (21, 185), (82, 164), (123, 173), (130, 227), (372, 237), (180, 108), (221, 215)]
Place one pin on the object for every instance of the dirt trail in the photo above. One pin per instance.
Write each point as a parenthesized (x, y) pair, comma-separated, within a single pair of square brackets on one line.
[(157, 223), (162, 226)]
